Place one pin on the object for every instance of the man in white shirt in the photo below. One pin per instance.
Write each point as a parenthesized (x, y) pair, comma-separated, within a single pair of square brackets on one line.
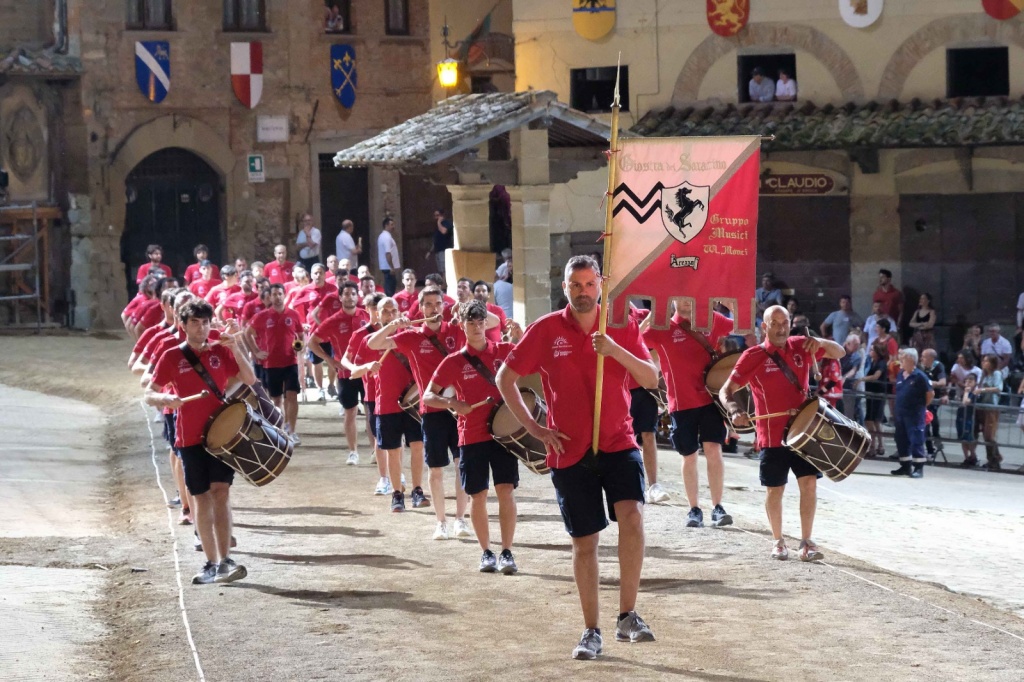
[(308, 242), (785, 89), (345, 247), (387, 256), (996, 344), (503, 287)]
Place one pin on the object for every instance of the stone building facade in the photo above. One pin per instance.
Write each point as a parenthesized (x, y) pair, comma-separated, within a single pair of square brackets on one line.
[(923, 177), (114, 150)]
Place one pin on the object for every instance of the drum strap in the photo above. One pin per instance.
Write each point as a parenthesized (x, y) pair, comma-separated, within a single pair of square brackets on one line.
[(437, 344), (788, 372), (197, 365), (479, 366), (402, 359), (703, 341)]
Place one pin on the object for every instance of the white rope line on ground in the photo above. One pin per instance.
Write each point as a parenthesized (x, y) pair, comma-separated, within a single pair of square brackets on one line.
[(174, 545), (883, 587)]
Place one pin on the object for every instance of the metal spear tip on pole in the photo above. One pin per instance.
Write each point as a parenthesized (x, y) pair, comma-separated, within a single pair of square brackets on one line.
[(618, 68)]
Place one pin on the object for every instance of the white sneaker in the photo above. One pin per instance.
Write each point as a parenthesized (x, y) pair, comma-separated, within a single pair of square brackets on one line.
[(441, 532), (656, 494), (462, 529), (296, 440), (353, 459), (383, 487)]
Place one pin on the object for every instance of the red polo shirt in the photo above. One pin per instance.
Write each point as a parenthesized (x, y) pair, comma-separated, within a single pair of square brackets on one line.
[(406, 300), (471, 387), (446, 313), (144, 270), (424, 357), (275, 333), (494, 333), (147, 336), (338, 329), (235, 303), (133, 304), (278, 273), (202, 287), (684, 359), (173, 370), (392, 381), (563, 353), (150, 313), (360, 354), (192, 273), (892, 301), (220, 292), (772, 391)]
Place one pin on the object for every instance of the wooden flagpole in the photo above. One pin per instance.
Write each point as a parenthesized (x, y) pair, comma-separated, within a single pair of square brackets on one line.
[(602, 318)]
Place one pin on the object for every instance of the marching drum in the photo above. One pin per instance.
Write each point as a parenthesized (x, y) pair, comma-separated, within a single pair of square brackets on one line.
[(240, 437), (260, 401), (715, 377), (512, 435), (410, 402), (823, 436)]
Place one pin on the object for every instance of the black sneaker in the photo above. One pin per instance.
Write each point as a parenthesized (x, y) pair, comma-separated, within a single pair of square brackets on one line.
[(488, 562), (507, 562), (695, 519), (398, 501), (228, 572), (207, 575), (589, 647), (331, 391), (419, 500), (632, 628), (719, 518)]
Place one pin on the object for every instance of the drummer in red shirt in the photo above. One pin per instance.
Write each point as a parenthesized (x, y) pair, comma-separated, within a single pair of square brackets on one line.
[(563, 347), (765, 368), (279, 270), (273, 331), (407, 297), (364, 364), (479, 452), (328, 341), (696, 423), (436, 280), (155, 253), (207, 478)]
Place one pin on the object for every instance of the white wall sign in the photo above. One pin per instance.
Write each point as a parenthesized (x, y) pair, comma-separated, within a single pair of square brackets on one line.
[(272, 129)]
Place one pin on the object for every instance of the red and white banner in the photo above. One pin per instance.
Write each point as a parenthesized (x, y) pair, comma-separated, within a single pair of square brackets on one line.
[(1002, 9), (685, 225), (247, 72)]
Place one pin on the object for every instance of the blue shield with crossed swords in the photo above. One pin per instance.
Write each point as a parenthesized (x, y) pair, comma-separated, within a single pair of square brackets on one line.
[(343, 74), (153, 68)]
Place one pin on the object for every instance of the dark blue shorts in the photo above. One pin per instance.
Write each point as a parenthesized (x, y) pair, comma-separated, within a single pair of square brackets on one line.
[(316, 359), (371, 417), (478, 458), (349, 392), (440, 436), (776, 463), (643, 408), (260, 372), (697, 425), (169, 422), (202, 469), (578, 489), (281, 380), (392, 428)]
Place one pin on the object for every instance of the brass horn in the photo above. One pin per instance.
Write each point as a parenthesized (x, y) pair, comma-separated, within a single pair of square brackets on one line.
[(297, 344)]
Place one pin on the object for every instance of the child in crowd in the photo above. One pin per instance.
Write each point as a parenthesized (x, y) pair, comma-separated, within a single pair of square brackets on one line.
[(965, 418)]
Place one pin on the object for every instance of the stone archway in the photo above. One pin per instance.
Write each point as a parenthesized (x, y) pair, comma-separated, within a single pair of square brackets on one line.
[(805, 38), (937, 34)]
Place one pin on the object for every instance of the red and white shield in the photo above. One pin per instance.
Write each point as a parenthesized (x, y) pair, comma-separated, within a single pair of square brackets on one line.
[(247, 72)]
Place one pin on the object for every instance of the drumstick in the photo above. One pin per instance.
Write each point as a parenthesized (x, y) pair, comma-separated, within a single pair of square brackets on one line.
[(197, 396), (381, 361), (786, 413), (425, 319), (481, 403)]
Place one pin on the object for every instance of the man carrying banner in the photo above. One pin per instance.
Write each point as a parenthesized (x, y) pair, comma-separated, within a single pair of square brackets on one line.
[(563, 346), (777, 371)]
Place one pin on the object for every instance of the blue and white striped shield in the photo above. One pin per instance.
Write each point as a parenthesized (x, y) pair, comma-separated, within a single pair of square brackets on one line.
[(153, 68)]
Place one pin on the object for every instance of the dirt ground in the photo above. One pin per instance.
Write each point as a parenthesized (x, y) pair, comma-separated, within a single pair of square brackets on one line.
[(338, 587)]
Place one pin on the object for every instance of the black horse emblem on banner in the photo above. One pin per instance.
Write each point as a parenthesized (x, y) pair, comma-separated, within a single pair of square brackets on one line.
[(686, 210)]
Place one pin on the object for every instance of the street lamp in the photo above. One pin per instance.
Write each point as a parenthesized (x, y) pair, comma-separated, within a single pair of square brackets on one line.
[(448, 72)]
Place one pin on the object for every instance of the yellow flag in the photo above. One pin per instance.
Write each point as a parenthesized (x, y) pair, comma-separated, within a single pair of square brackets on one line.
[(593, 19)]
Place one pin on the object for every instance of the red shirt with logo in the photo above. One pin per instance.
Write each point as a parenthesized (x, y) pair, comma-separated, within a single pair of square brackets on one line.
[(147, 336), (392, 381), (406, 300), (416, 344), (447, 302), (564, 354), (772, 391), (494, 333), (202, 287), (275, 333), (278, 273), (220, 292), (684, 359), (338, 329), (173, 370), (133, 304), (170, 338), (250, 309), (150, 313), (192, 273), (471, 387), (360, 354), (235, 303), (145, 267)]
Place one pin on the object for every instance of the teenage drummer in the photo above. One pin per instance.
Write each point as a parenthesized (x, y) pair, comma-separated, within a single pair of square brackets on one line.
[(273, 333), (207, 478), (471, 372), (777, 371), (685, 354)]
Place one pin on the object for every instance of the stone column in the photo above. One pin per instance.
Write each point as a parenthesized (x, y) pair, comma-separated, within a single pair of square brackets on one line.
[(874, 231), (531, 251), (97, 275), (471, 256)]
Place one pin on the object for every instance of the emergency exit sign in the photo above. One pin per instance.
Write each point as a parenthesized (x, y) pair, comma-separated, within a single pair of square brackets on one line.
[(256, 169)]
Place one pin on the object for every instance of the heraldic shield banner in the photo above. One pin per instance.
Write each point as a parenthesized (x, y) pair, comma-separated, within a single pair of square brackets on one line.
[(153, 68), (685, 225), (343, 74)]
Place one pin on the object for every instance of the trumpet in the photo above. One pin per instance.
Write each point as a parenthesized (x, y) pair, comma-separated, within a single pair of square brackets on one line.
[(297, 344)]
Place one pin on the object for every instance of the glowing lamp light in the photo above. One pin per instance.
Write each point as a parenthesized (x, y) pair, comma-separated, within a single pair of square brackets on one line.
[(448, 72)]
